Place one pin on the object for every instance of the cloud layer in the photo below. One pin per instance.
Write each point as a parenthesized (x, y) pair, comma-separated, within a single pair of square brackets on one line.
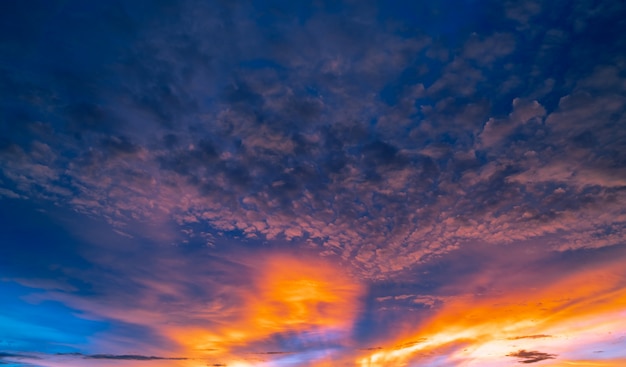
[(290, 184)]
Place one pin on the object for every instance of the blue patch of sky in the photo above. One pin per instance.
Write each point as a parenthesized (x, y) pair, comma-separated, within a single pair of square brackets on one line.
[(435, 18), (46, 327), (276, 11)]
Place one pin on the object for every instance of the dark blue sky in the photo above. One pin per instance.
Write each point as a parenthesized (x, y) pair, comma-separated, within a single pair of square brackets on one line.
[(323, 183)]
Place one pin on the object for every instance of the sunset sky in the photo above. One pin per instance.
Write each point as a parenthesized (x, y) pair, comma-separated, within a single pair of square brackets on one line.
[(318, 183)]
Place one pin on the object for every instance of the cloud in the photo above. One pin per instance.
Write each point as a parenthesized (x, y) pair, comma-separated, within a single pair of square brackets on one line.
[(486, 51), (309, 301), (327, 143), (273, 353), (10, 194), (7, 355), (469, 329), (377, 146), (499, 131), (538, 336), (125, 357), (531, 356), (76, 359), (19, 359), (522, 11), (273, 305)]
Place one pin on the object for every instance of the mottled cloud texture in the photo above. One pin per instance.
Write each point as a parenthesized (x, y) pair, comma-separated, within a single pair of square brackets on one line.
[(318, 183)]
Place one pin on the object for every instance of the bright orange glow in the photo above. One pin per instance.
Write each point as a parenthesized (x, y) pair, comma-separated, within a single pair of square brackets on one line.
[(608, 363), (581, 310), (287, 295), (295, 293)]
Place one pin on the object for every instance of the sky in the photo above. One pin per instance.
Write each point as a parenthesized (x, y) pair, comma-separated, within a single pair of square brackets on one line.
[(312, 183)]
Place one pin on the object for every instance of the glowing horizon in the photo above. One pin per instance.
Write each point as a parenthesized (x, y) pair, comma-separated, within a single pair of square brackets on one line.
[(190, 183)]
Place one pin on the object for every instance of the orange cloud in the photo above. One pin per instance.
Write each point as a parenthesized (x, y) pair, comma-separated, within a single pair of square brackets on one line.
[(590, 363), (545, 322), (287, 295), (295, 293)]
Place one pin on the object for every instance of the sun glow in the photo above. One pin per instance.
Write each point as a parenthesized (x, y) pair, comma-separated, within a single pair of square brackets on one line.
[(557, 320), (305, 298)]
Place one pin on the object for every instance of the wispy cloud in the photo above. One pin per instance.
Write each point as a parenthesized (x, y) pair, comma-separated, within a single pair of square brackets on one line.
[(126, 357), (531, 356)]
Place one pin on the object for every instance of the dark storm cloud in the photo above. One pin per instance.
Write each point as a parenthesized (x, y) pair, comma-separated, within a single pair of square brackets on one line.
[(531, 356)]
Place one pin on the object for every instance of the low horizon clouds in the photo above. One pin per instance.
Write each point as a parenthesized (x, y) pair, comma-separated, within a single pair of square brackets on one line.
[(160, 160)]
